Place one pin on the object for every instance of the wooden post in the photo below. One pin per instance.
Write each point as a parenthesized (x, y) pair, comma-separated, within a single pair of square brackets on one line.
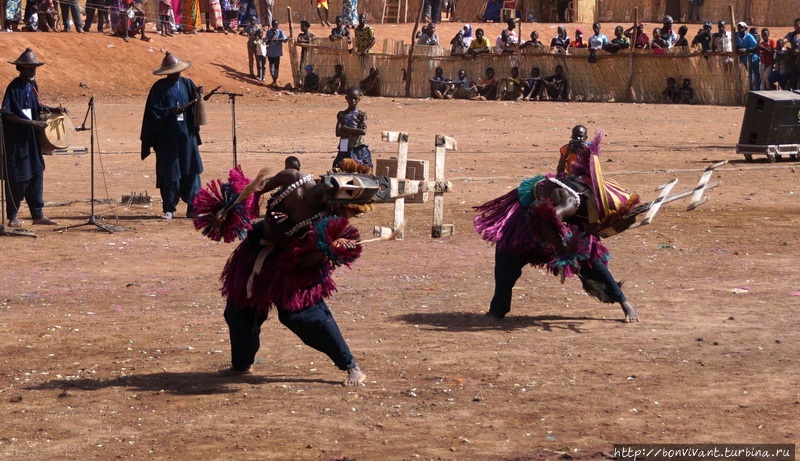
[(737, 68), (297, 74), (634, 36), (399, 186), (411, 49), (439, 229)]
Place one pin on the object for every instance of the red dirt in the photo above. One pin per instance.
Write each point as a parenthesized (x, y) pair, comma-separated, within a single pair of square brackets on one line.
[(110, 342)]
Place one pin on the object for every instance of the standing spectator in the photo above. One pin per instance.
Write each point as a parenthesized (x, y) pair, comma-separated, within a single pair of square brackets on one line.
[(71, 7), (191, 16), (165, 18), (261, 56), (351, 127), (556, 85), (667, 34), (275, 39), (13, 15), (365, 36), (619, 42), (266, 9), (214, 17), (694, 9), (436, 11), (597, 41), (168, 127), (350, 12), (340, 32), (578, 42), (638, 37), (371, 85), (24, 163), (703, 38), (533, 42), (428, 36), (766, 51), (748, 55), (658, 42), (252, 31), (322, 5), (511, 26), (779, 77), (671, 92), (457, 46), (305, 38), (502, 44), (95, 6), (721, 40), (230, 14), (480, 45), (560, 43), (682, 41), (793, 39)]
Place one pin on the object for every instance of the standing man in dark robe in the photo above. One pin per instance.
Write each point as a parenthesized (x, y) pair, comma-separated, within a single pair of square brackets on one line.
[(23, 169), (169, 128)]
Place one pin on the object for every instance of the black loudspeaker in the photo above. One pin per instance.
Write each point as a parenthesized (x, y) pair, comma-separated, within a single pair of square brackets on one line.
[(771, 118)]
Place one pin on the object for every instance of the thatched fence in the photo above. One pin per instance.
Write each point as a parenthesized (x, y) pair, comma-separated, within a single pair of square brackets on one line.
[(717, 78)]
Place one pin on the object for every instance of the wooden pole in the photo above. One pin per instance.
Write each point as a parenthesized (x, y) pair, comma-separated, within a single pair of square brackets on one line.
[(297, 73), (634, 36), (411, 49)]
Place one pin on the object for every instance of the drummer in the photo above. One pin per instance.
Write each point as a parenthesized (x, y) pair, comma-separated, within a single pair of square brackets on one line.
[(23, 169)]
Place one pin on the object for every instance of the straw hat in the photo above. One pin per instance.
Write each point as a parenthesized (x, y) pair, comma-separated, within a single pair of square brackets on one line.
[(172, 65), (27, 59)]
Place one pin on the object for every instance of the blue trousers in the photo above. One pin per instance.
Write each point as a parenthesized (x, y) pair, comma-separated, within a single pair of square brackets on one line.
[(314, 325), (184, 189), (508, 269), (31, 190)]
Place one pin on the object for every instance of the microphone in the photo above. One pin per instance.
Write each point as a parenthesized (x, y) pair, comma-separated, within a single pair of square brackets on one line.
[(206, 97)]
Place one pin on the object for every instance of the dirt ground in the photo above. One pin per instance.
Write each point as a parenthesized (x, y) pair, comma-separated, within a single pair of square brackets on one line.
[(110, 342)]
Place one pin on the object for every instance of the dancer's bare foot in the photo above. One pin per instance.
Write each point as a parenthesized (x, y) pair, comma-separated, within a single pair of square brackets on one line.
[(630, 312), (354, 377), (235, 372)]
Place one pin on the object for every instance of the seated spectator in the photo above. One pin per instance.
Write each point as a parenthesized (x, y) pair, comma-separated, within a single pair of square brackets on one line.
[(457, 45), (686, 94), (533, 86), (638, 37), (556, 85), (340, 32), (428, 36), (480, 45), (619, 42), (47, 16), (487, 88), (310, 81), (578, 42), (511, 27), (438, 84), (337, 83), (534, 42), (132, 21), (560, 43), (671, 92), (597, 41), (504, 44), (462, 88), (703, 38), (682, 41), (658, 42), (371, 86), (511, 87)]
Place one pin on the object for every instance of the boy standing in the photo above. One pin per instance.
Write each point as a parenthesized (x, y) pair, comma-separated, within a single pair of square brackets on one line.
[(351, 127), (275, 39)]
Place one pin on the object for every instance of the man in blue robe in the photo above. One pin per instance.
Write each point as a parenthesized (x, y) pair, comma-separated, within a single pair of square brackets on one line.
[(23, 169), (170, 129)]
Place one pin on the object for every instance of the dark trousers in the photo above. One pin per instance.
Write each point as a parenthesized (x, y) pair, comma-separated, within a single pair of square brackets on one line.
[(274, 66), (184, 189), (68, 6), (508, 269), (261, 66), (251, 56), (101, 7), (314, 325), (31, 190), (436, 11)]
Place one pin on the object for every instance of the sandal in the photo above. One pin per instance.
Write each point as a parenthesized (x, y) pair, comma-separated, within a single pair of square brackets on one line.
[(15, 223), (147, 39)]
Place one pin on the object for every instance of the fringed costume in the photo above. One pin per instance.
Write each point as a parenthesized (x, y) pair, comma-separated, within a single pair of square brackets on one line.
[(514, 224), (283, 262)]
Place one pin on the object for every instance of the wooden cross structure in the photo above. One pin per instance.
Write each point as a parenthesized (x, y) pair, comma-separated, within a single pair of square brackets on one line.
[(401, 187)]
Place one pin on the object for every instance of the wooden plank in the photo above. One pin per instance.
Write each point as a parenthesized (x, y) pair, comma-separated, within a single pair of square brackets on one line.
[(656, 204), (438, 229), (697, 196)]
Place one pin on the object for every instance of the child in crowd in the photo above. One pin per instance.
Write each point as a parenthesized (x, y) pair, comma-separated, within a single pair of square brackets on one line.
[(351, 127), (671, 92), (310, 81), (487, 89), (438, 84), (511, 87), (261, 55), (336, 83), (533, 86), (682, 40), (371, 85), (322, 6), (686, 92)]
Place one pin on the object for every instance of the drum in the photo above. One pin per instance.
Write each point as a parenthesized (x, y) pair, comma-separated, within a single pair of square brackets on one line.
[(58, 134)]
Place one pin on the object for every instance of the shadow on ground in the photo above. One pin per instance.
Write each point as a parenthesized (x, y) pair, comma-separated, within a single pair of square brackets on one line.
[(459, 322)]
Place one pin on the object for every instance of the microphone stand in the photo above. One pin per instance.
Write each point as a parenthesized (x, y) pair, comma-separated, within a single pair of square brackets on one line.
[(93, 221), (232, 98)]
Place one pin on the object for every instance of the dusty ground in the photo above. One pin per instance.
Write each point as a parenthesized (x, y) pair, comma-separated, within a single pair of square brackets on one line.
[(110, 342)]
